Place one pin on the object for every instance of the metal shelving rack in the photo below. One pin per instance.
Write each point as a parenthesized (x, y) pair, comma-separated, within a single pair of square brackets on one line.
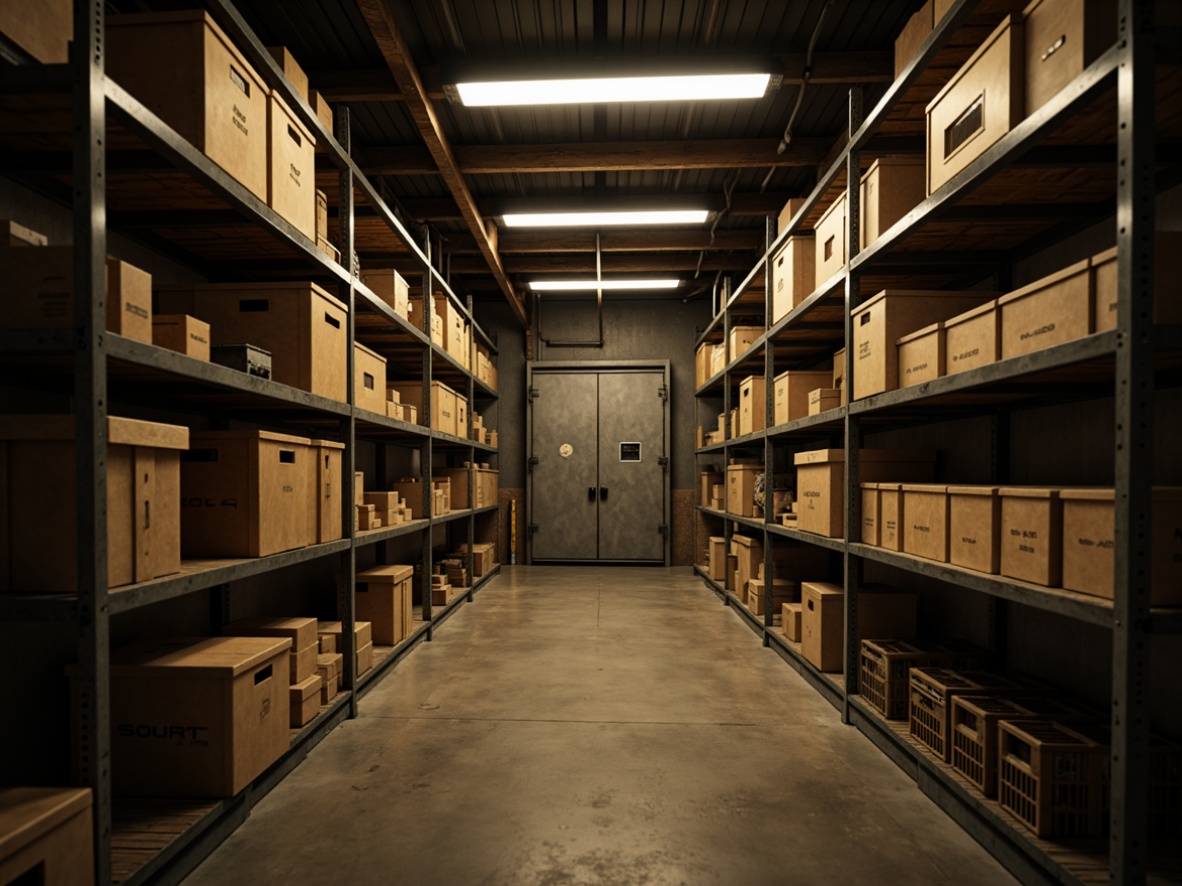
[(1115, 94), (98, 367)]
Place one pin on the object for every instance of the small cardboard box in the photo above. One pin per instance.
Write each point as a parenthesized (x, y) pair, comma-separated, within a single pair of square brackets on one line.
[(972, 339), (385, 505), (15, 234), (790, 618), (821, 624), (364, 658), (358, 487), (891, 187), (362, 633), (823, 399), (881, 321), (839, 376), (46, 833), (709, 479), (1167, 270), (974, 528), (330, 665), (925, 534), (794, 274), (749, 551), (304, 703), (411, 490), (1062, 38), (820, 476), (982, 102), (290, 68), (752, 405), (871, 514), (324, 491), (38, 490), (717, 360), (391, 287), (458, 490), (197, 717), (462, 416), (829, 246), (914, 33), (369, 379), (1031, 534), (921, 355), (245, 494), (891, 516), (717, 563), (790, 209), (323, 111), (1050, 311), (783, 591), (301, 632), (484, 557), (740, 489), (742, 339), (1089, 525), (702, 360), (792, 393), (180, 332), (291, 167), (443, 402), (383, 597), (301, 663), (368, 518)]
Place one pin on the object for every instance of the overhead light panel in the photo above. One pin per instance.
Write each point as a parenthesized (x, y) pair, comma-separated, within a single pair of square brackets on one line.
[(583, 90), (591, 285), (605, 218)]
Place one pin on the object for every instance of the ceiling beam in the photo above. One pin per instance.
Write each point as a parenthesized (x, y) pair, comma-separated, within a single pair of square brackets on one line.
[(543, 242), (613, 263), (379, 17)]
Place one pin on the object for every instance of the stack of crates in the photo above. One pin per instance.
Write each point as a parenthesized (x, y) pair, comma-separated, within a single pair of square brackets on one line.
[(884, 669), (932, 691)]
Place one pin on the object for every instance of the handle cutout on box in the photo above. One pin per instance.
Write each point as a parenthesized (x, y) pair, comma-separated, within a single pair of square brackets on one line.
[(865, 318), (811, 609), (147, 514), (331, 320), (295, 136), (1054, 47), (965, 126), (254, 305), (287, 456), (262, 675), (241, 82), (829, 249), (206, 455), (369, 380)]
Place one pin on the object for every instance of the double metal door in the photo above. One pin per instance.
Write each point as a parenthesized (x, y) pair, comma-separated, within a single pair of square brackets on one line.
[(598, 465)]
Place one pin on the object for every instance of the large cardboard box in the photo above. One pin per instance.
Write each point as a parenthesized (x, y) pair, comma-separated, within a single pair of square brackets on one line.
[(197, 717), (889, 315), (914, 33), (822, 621), (369, 379), (1032, 534), (1062, 38), (921, 355), (383, 596), (302, 326), (459, 479), (790, 209), (185, 69), (794, 274), (829, 246), (891, 187), (291, 69), (741, 340), (38, 492), (820, 479), (301, 631), (391, 287), (304, 701), (46, 836), (39, 292), (752, 405), (792, 393), (1050, 311), (443, 402), (972, 339), (982, 102), (43, 29), (974, 528), (180, 332), (891, 516), (717, 563), (324, 491), (740, 489), (1167, 271), (291, 167), (245, 494), (925, 534), (1089, 528)]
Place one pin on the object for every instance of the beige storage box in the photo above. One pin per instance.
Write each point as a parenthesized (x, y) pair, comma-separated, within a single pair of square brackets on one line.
[(291, 167), (483, 559), (752, 405), (749, 553), (794, 274), (182, 333), (823, 399), (323, 112), (974, 528), (302, 326), (972, 339), (790, 209), (1089, 527), (386, 506), (39, 292), (417, 319), (820, 476), (38, 491), (1062, 38), (184, 68), (792, 393), (443, 402), (740, 489), (709, 479), (822, 621), (982, 102), (461, 416), (1048, 312), (718, 359), (1167, 271), (829, 246), (44, 30), (364, 659), (925, 534), (383, 597), (324, 491), (1031, 534), (329, 666), (881, 321), (790, 618), (369, 379), (839, 376), (716, 566), (456, 333), (15, 234), (702, 360), (305, 645), (487, 483), (245, 494), (890, 516), (782, 592), (921, 355), (333, 630), (458, 479), (322, 223), (411, 491), (46, 834), (197, 717), (891, 188), (391, 287), (913, 35), (290, 68), (304, 701), (798, 562), (871, 514), (741, 340)]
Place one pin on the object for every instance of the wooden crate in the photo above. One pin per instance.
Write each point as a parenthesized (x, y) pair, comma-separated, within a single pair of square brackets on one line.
[(1050, 778), (884, 669)]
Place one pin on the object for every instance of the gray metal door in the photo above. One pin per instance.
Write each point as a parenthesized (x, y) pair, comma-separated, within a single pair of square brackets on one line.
[(631, 472)]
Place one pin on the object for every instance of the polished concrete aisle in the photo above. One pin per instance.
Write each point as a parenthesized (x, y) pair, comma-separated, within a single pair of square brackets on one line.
[(596, 726)]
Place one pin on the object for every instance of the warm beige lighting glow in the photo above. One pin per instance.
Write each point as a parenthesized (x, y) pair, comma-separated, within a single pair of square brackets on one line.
[(582, 285), (601, 219), (691, 87)]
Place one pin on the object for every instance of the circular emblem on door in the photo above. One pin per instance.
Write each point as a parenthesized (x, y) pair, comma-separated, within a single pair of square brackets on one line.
[(566, 450)]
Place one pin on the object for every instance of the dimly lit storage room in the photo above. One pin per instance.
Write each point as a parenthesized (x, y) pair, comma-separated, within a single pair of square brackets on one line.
[(591, 442)]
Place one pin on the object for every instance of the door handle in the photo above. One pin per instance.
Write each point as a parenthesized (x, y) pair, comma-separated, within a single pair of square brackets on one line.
[(603, 493), (590, 493)]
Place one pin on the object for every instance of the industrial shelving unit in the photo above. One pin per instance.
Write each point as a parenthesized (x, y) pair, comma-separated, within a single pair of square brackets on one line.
[(1095, 147), (91, 122)]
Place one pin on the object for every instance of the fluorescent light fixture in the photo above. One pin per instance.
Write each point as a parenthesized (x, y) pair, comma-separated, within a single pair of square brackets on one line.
[(602, 219), (583, 285), (689, 87)]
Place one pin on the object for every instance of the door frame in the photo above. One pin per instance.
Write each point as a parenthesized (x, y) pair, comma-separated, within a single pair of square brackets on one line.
[(595, 366)]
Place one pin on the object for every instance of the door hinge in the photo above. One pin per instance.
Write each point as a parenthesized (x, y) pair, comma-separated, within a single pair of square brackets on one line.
[(533, 460), (534, 393), (663, 461), (663, 393), (663, 529), (533, 528)]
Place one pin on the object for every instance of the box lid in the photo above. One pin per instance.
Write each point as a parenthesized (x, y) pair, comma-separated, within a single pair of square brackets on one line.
[(1013, 20), (335, 627), (1080, 267), (973, 490), (270, 436), (824, 394), (805, 373), (329, 659), (120, 431), (741, 468), (302, 631), (717, 539), (912, 293), (790, 607), (289, 286), (913, 160), (821, 589), (750, 381), (1028, 492), (1103, 258), (746, 541), (890, 487), (839, 203), (868, 486), (1158, 494), (196, 656), (369, 352), (933, 329), (934, 488), (307, 688), (820, 456), (326, 444), (26, 814), (971, 314)]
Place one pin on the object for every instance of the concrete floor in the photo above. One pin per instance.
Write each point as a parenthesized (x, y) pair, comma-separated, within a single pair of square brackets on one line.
[(596, 726)]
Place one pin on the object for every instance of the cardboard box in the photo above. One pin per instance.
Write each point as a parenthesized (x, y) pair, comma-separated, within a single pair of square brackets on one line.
[(974, 528), (301, 632), (839, 376), (921, 355), (1167, 270), (304, 701), (829, 246), (369, 379), (1062, 38), (245, 494), (358, 487), (323, 111), (441, 492), (382, 596), (742, 339), (46, 834), (732, 573), (391, 287), (328, 643), (324, 491), (793, 206), (782, 591), (925, 534), (487, 484), (972, 339), (362, 632), (443, 402), (749, 553), (1031, 534), (197, 717), (411, 490), (39, 292), (38, 491), (982, 102), (792, 393), (219, 106), (302, 663), (14, 234), (364, 659), (871, 514), (291, 69), (717, 360), (368, 518), (330, 665), (734, 423), (291, 167), (891, 516), (298, 322), (180, 332), (823, 399), (820, 480), (752, 405), (385, 505), (881, 321), (891, 188), (717, 561), (740, 489), (483, 559), (458, 492), (913, 35), (709, 479), (1089, 526), (462, 416), (794, 274), (821, 624), (1048, 312), (790, 619), (322, 222)]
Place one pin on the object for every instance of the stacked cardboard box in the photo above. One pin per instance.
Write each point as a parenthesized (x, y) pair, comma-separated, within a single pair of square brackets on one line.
[(383, 597), (303, 679), (363, 632)]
